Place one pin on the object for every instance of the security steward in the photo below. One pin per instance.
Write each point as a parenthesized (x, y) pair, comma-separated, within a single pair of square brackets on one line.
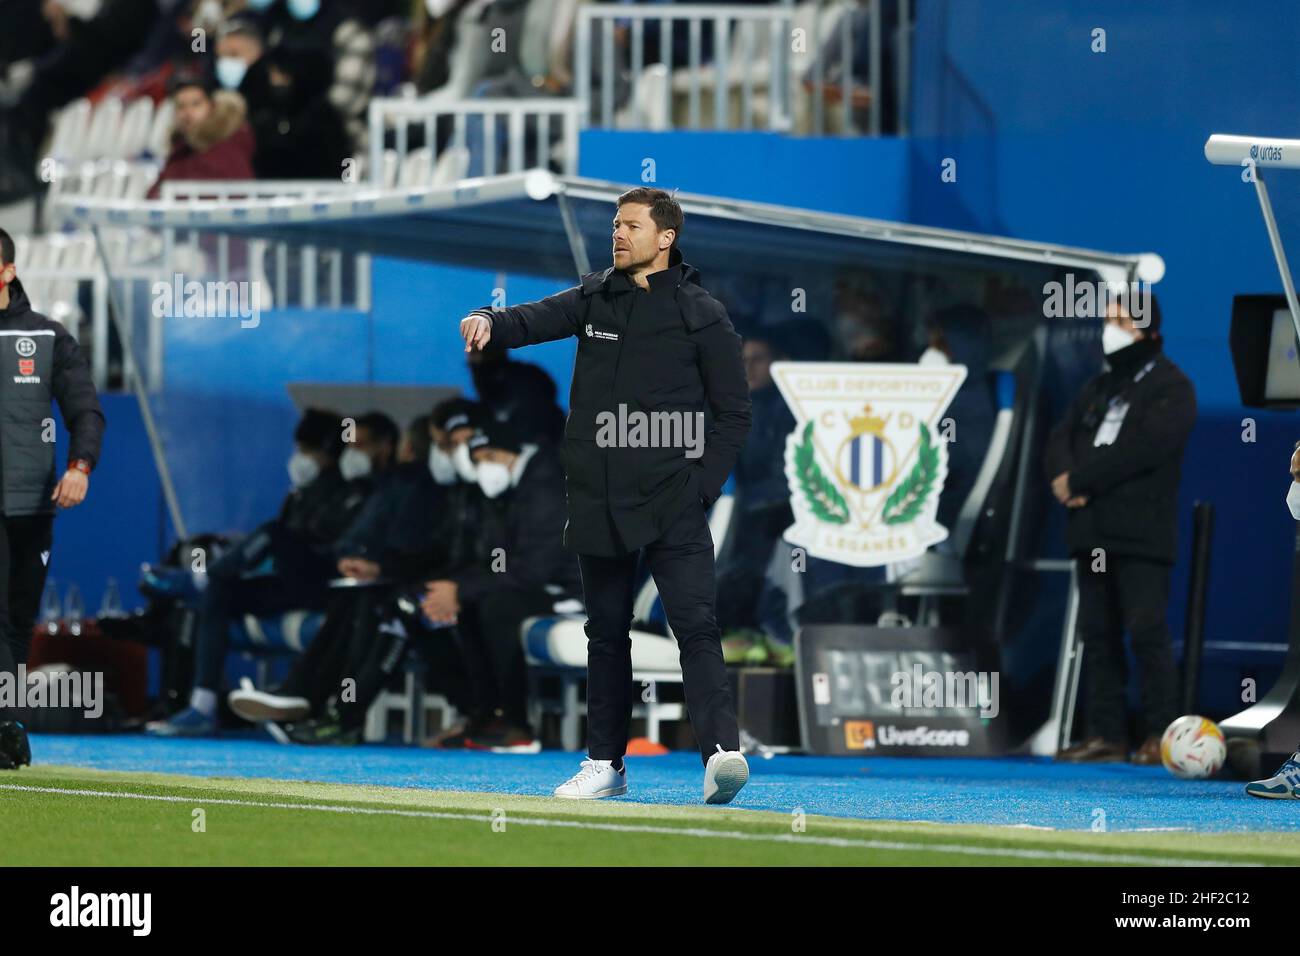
[(1115, 462), (40, 362), (650, 339)]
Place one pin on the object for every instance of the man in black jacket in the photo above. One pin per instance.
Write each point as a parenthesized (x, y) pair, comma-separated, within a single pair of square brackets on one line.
[(42, 363), (1114, 462), (296, 552), (655, 350)]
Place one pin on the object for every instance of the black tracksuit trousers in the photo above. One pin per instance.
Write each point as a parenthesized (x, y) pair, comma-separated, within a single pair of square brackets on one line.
[(681, 562), (1131, 595), (25, 543)]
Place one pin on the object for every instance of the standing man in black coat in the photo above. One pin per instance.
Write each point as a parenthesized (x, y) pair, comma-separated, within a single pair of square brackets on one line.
[(654, 349), (41, 363), (1114, 462)]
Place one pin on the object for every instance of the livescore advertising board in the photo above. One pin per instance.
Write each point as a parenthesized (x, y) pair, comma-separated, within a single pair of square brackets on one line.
[(869, 691)]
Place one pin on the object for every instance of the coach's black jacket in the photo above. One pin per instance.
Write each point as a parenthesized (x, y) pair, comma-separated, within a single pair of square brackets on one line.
[(40, 361), (667, 348), (1132, 484)]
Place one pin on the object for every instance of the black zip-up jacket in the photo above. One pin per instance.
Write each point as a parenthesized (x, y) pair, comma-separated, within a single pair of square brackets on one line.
[(41, 362), (669, 348), (1132, 484)]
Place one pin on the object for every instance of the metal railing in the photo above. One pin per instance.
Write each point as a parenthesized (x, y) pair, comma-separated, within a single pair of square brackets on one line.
[(768, 66), (305, 291), (544, 118)]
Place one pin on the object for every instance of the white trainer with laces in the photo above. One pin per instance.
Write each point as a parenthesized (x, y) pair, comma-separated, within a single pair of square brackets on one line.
[(596, 779), (257, 705), (724, 775), (1283, 785)]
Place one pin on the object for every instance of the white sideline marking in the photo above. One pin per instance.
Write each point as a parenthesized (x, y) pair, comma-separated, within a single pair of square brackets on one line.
[(1072, 856)]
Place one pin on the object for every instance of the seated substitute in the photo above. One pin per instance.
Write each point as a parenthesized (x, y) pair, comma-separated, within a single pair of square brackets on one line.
[(298, 545)]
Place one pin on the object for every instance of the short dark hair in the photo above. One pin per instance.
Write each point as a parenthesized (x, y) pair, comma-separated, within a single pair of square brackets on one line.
[(7, 251), (381, 427), (664, 209), (320, 430), (192, 76)]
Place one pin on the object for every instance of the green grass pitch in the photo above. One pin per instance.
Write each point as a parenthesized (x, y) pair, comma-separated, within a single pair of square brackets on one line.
[(75, 817)]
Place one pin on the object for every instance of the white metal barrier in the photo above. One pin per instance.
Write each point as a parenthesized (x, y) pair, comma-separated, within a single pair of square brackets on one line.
[(767, 69), (552, 122)]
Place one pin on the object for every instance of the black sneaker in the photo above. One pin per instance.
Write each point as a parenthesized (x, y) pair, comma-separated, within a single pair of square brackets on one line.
[(15, 749), (323, 733)]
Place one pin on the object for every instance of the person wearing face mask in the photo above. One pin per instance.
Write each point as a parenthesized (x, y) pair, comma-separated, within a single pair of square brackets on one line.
[(299, 544), (421, 520), (240, 64), (334, 28), (1114, 462), (299, 133), (519, 569)]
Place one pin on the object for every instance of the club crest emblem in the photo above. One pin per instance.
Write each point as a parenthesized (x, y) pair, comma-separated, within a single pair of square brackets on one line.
[(868, 457)]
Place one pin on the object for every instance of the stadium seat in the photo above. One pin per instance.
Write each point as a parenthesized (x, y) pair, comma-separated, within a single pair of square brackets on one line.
[(137, 123), (158, 144), (453, 165), (941, 571)]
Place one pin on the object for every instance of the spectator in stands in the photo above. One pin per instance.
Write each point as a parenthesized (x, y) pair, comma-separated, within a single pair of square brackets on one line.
[(521, 392), (298, 545), (1114, 462), (241, 64), (520, 569), (211, 139), (299, 134), (422, 522), (333, 27), (761, 512), (857, 20)]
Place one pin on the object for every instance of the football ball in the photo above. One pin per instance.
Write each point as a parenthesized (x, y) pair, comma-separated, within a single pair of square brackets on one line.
[(1193, 748)]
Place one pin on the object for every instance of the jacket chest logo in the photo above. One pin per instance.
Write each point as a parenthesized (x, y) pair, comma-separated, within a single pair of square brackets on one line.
[(601, 334), (26, 348)]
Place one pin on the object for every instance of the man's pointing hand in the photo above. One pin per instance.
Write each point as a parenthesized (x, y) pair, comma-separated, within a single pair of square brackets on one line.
[(476, 330)]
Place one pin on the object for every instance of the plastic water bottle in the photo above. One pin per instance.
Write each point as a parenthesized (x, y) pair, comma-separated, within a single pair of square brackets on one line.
[(111, 605), (74, 609), (50, 607)]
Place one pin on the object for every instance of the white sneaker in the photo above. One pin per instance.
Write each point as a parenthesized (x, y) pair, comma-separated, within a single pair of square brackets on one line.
[(724, 775), (596, 779), (258, 705)]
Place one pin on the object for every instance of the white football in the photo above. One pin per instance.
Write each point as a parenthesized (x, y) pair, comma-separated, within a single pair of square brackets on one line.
[(1193, 748)]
